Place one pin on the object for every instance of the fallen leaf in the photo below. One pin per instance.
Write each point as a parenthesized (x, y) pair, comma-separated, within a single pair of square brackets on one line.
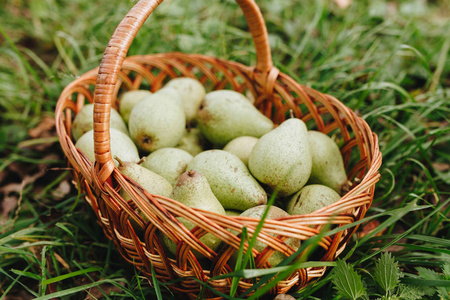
[(62, 189), (11, 187), (441, 167), (343, 3), (392, 9), (44, 128), (8, 204), (369, 227), (284, 297), (62, 261)]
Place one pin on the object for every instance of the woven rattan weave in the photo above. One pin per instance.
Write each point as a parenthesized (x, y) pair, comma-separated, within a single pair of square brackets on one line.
[(135, 225)]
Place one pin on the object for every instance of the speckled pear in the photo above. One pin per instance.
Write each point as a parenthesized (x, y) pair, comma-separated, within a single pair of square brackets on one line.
[(192, 189), (327, 163), (121, 146), (192, 93), (170, 163), (273, 213), (241, 147), (226, 114), (156, 122), (311, 198), (84, 121), (128, 100), (229, 179), (192, 141), (170, 92), (150, 181), (282, 159)]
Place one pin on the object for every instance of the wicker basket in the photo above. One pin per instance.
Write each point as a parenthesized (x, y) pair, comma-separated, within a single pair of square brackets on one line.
[(275, 94)]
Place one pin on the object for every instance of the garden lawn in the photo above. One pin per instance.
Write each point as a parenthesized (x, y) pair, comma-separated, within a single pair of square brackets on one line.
[(386, 60)]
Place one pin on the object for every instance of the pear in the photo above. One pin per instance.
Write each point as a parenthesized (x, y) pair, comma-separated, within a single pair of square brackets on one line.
[(170, 163), (327, 163), (84, 121), (192, 141), (232, 212), (281, 158), (121, 146), (241, 147), (192, 93), (128, 100), (229, 179), (156, 122), (311, 198), (226, 114), (150, 181), (172, 93), (192, 189), (273, 213)]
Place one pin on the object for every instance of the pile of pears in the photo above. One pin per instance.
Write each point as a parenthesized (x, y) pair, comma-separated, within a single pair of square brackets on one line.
[(217, 152)]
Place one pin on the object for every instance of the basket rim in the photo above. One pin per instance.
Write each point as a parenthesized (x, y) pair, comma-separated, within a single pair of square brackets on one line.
[(106, 191)]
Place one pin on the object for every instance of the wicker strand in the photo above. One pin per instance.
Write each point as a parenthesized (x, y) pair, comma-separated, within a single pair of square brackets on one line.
[(136, 225)]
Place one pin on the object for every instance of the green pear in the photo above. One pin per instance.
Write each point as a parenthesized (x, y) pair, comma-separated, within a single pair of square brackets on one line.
[(226, 114), (150, 181), (120, 143), (229, 179), (241, 147), (192, 93), (327, 163), (192, 189), (273, 213), (281, 158), (311, 198), (156, 122), (84, 121), (192, 141), (128, 100), (170, 163), (232, 212), (170, 92)]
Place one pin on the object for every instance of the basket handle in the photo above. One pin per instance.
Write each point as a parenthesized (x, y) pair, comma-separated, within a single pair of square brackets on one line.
[(116, 52)]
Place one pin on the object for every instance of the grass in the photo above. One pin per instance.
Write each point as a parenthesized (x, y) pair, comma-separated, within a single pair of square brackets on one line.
[(386, 60)]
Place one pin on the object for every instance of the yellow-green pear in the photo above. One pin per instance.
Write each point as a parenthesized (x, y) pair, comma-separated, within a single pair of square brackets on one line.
[(232, 212), (281, 158), (121, 146), (150, 181), (226, 114), (128, 100), (229, 179), (327, 163), (192, 189), (156, 122), (192, 93), (170, 163), (241, 147), (84, 121), (311, 198), (192, 141), (170, 92), (273, 213)]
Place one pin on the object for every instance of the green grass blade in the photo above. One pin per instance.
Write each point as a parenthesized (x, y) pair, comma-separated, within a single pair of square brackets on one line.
[(156, 285), (70, 275)]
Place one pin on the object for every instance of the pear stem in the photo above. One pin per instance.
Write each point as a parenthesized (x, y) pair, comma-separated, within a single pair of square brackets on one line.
[(121, 164), (142, 160), (191, 173), (291, 113)]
